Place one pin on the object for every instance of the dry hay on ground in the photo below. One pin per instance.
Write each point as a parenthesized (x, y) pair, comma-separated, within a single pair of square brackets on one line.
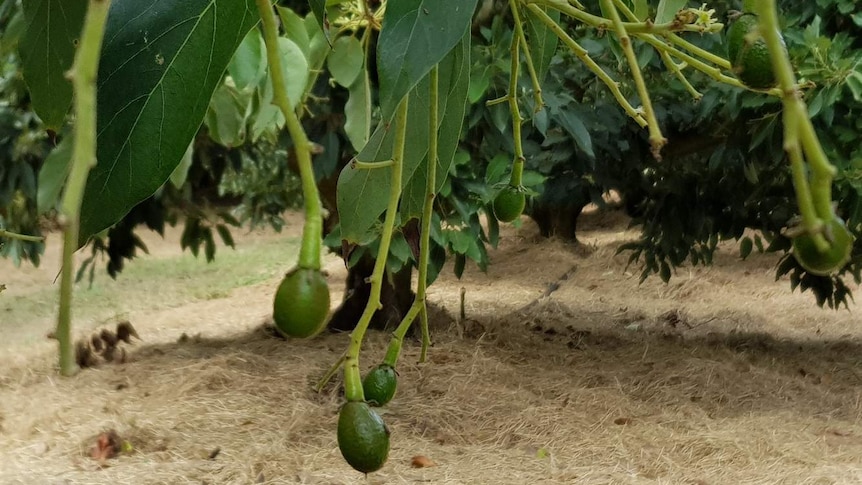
[(717, 378)]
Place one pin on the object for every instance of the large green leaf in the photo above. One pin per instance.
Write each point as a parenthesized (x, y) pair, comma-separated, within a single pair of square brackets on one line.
[(416, 35), (318, 8), (161, 62), (641, 9), (265, 116), (542, 41), (47, 51), (572, 123), (346, 60), (363, 194), (53, 174), (226, 117), (357, 111), (454, 85), (248, 65), (294, 28)]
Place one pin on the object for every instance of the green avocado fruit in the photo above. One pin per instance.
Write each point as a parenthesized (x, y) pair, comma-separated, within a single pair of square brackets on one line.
[(380, 385), (301, 303), (363, 437), (509, 204), (825, 263), (748, 54)]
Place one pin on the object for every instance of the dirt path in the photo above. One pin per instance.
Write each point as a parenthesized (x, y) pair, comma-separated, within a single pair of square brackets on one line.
[(722, 376)]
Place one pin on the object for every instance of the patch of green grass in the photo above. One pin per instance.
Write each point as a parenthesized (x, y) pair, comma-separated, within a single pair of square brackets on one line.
[(149, 282)]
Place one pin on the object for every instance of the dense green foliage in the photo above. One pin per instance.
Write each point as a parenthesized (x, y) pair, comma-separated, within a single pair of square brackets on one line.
[(723, 170), (738, 178), (24, 146)]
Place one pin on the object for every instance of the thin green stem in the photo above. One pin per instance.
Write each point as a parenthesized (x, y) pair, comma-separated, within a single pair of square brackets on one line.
[(676, 39), (602, 23), (428, 210), (514, 73), (419, 304), (584, 56), (395, 342), (370, 165), (83, 75), (528, 57), (648, 32), (711, 71), (500, 100), (426, 334), (665, 57), (309, 253), (657, 140), (622, 7), (822, 172), (20, 237), (534, 76), (703, 53), (331, 372), (366, 92), (352, 377), (677, 71), (811, 224), (799, 132)]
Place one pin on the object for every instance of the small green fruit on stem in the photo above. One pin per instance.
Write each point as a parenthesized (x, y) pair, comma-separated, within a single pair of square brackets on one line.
[(813, 196), (824, 263), (748, 53), (302, 300), (509, 203), (301, 303), (363, 438), (352, 378), (380, 385)]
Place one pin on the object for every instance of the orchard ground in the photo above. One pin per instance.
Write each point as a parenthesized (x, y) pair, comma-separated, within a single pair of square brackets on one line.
[(564, 370)]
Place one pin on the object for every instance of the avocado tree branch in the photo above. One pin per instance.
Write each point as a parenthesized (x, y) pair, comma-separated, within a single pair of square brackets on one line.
[(309, 253), (419, 304), (584, 56), (528, 57), (352, 377), (83, 75), (815, 202), (657, 140), (21, 237), (711, 71), (665, 57), (512, 97), (602, 23)]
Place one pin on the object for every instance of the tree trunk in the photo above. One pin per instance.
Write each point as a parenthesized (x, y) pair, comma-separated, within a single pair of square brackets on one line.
[(556, 211), (396, 296)]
